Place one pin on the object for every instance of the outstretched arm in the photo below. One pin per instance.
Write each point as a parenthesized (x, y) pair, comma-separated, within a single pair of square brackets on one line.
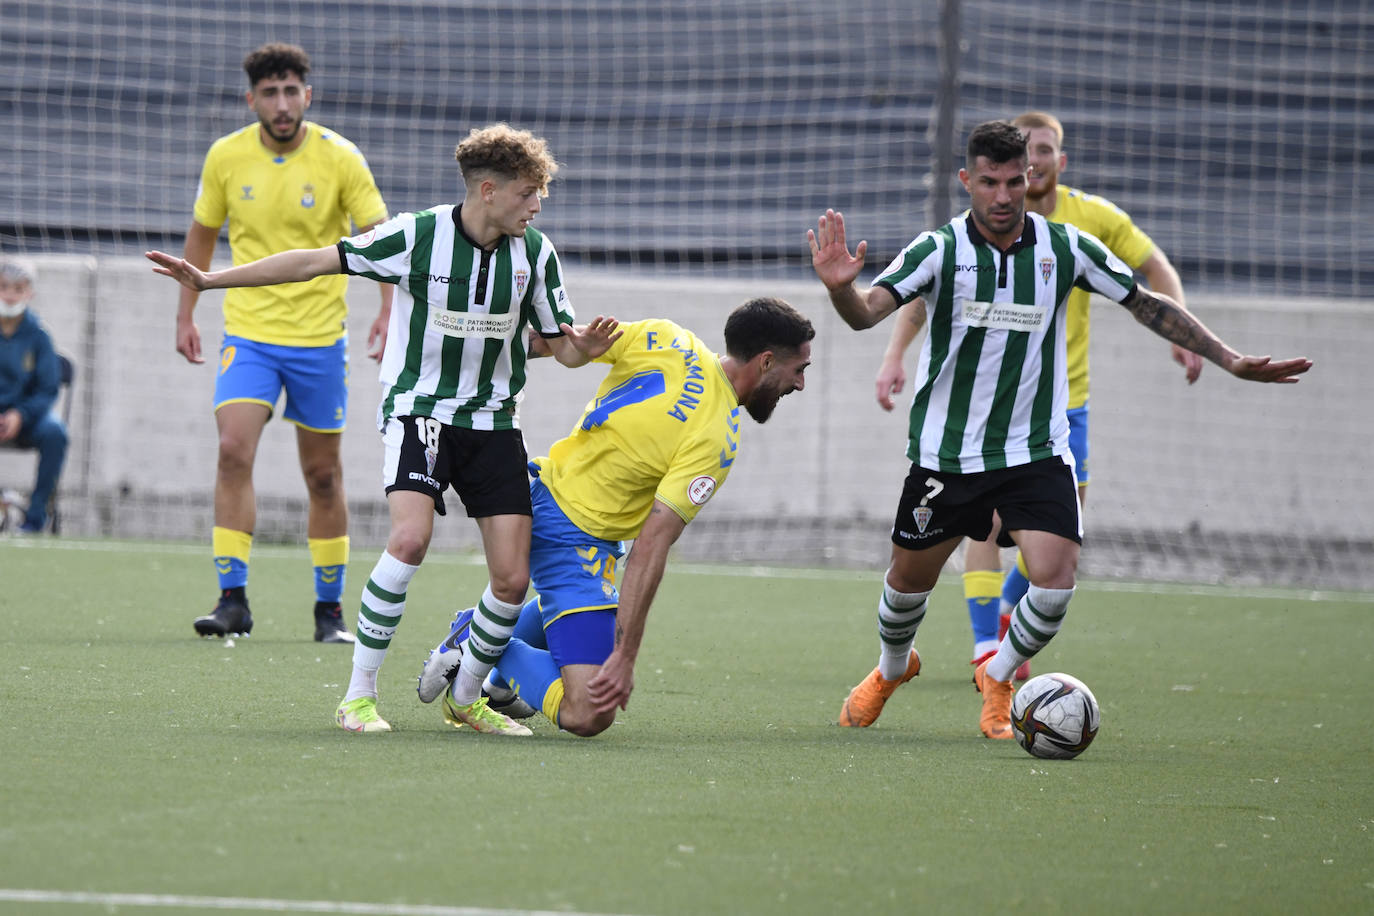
[(611, 686), (580, 344), (1162, 278), (891, 374), (1177, 325), (285, 267), (837, 269)]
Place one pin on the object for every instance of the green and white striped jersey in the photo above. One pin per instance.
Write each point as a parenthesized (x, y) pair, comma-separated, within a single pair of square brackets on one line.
[(455, 347), (992, 379)]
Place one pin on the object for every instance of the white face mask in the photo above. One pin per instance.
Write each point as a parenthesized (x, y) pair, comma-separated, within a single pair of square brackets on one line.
[(12, 311)]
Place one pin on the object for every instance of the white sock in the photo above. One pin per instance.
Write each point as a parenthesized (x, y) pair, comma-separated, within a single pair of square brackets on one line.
[(899, 616), (1034, 621), (362, 684), (384, 601), (492, 625)]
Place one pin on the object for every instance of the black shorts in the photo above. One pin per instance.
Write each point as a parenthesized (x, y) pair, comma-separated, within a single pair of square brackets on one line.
[(938, 505), (486, 468)]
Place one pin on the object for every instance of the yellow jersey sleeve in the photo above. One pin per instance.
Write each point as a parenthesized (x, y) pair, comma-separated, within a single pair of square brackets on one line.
[(211, 208), (1103, 219), (1106, 221), (664, 425)]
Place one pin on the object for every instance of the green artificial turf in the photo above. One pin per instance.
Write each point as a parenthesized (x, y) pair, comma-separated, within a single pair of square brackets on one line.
[(1231, 774)]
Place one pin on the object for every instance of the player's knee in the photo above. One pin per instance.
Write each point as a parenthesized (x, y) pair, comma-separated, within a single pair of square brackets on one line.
[(235, 457), (408, 545), (324, 480), (510, 587), (583, 721)]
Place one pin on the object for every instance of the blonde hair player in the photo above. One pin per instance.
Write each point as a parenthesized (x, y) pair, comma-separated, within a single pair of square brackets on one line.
[(451, 377)]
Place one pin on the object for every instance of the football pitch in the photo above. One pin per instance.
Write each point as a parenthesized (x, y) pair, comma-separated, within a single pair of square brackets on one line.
[(145, 770)]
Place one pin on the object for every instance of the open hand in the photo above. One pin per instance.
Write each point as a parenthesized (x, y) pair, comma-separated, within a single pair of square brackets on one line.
[(595, 337), (1263, 369), (179, 269), (611, 686), (830, 255)]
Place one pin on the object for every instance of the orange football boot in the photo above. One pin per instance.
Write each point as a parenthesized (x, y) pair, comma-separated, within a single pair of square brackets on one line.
[(865, 702), (996, 718)]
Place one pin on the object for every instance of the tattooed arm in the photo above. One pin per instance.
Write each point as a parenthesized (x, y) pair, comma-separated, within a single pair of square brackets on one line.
[(1177, 325)]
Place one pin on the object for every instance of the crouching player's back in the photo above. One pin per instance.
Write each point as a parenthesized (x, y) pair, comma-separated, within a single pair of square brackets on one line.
[(653, 446)]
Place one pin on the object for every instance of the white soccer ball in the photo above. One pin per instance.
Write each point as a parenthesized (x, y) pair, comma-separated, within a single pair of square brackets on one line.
[(1054, 716)]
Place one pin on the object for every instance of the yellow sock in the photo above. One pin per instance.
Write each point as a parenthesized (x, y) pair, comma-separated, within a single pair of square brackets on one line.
[(330, 559), (553, 701), (231, 549), (982, 589)]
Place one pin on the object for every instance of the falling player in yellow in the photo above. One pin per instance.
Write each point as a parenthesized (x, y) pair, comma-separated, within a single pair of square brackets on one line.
[(983, 579), (282, 183), (659, 439)]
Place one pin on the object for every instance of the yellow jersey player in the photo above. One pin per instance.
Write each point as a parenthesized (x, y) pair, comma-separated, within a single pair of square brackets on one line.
[(656, 443), (281, 183), (983, 579)]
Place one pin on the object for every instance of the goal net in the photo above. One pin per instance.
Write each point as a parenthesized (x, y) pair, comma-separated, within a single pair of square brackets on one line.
[(699, 139)]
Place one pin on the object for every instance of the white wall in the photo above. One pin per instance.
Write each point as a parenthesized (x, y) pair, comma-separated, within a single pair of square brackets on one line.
[(1221, 459)]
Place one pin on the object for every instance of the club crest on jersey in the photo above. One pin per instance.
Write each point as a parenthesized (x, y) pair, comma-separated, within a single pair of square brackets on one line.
[(522, 279), (308, 196), (922, 514), (700, 490), (431, 456), (1046, 268)]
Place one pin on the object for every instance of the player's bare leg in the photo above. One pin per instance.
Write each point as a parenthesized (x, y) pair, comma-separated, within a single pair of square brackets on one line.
[(240, 426), (576, 712), (1052, 562), (383, 604), (910, 578), (326, 529), (506, 543)]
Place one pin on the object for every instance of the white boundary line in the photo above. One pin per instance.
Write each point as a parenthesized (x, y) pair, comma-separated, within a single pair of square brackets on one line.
[(471, 558), (263, 904)]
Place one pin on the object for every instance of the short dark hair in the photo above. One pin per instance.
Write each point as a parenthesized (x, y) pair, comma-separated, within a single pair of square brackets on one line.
[(765, 323), (276, 59), (997, 141)]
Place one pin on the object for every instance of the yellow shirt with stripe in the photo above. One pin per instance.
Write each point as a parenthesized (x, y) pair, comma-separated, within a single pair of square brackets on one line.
[(664, 425), (306, 198), (1103, 219)]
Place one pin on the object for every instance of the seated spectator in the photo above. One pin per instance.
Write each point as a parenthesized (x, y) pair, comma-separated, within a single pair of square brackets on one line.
[(29, 377)]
